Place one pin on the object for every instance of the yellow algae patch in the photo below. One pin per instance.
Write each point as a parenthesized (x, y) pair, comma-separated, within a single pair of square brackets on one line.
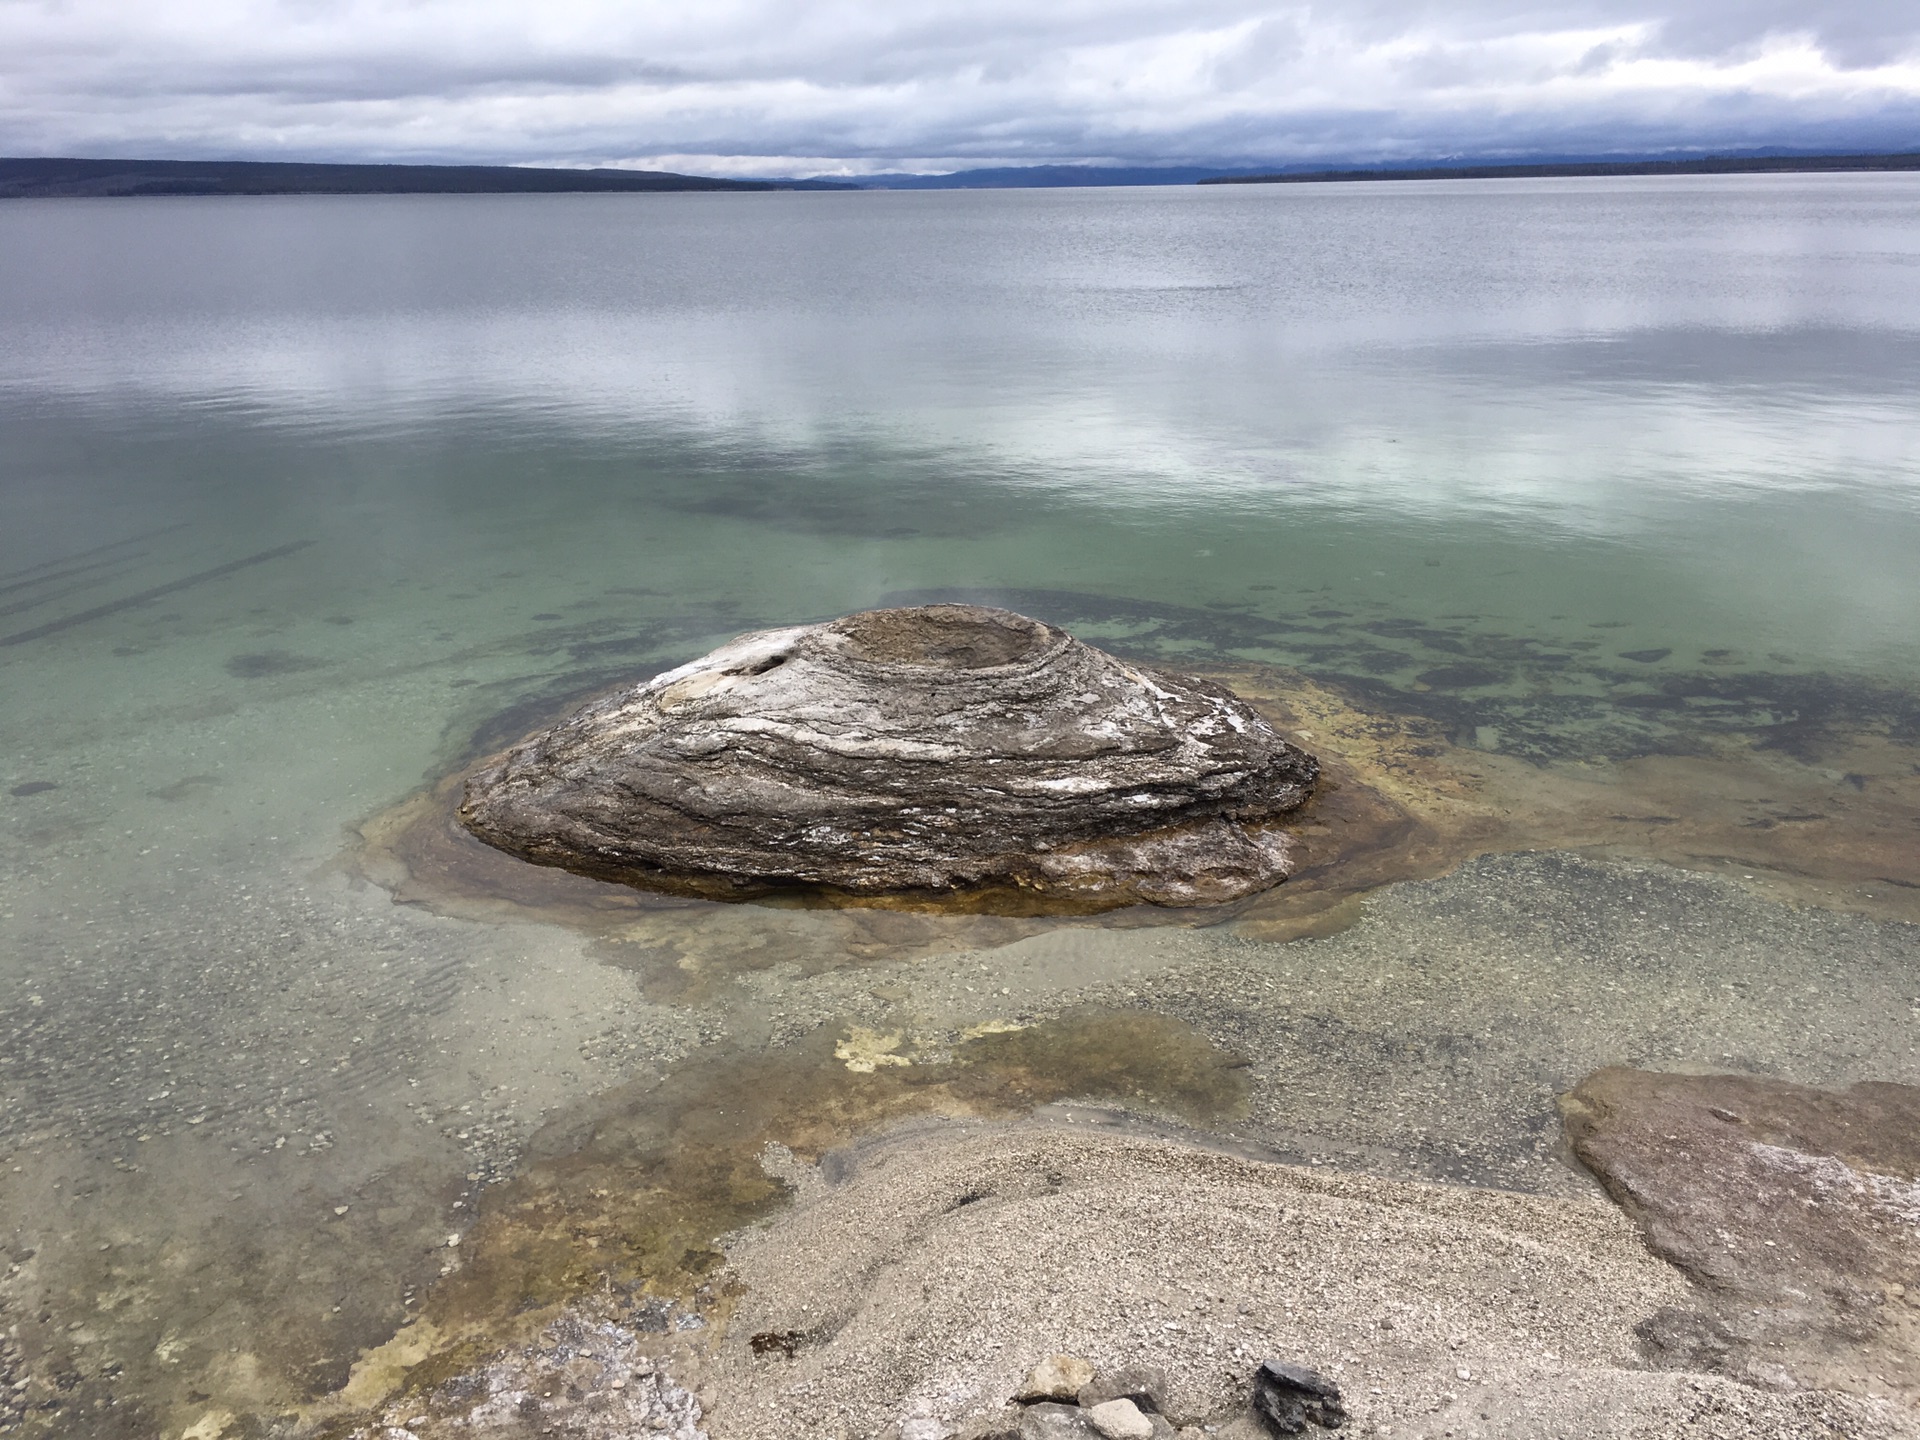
[(1399, 756), (1401, 801), (381, 1370), (865, 1051), (210, 1426)]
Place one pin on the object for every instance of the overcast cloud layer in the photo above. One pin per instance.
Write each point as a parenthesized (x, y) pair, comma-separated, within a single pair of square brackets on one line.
[(855, 86)]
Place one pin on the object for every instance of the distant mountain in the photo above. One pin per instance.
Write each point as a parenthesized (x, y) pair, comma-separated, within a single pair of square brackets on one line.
[(1035, 176), (1703, 165), (1019, 177), (70, 177), (57, 177)]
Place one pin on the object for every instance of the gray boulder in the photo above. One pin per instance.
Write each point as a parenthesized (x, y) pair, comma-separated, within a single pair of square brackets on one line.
[(940, 748)]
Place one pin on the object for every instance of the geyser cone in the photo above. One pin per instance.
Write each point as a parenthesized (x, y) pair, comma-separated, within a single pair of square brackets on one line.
[(937, 748)]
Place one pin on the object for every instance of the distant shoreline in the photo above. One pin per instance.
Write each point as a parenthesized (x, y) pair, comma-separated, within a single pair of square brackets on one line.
[(75, 178), (22, 179), (1710, 165)]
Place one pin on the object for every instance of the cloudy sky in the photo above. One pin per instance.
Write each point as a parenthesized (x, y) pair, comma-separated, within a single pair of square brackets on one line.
[(857, 86)]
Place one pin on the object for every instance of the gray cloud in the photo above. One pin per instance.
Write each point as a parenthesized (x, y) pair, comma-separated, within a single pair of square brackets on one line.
[(825, 85)]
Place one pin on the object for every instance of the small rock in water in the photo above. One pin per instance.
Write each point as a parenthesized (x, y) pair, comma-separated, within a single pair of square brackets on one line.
[(1144, 1385), (1058, 1377), (1120, 1420), (1290, 1396)]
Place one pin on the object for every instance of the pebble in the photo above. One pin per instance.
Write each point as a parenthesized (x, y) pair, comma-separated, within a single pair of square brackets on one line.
[(1120, 1420)]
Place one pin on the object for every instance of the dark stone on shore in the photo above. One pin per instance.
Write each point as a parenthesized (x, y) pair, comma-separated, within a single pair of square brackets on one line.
[(785, 1343), (939, 748), (1145, 1385), (1290, 1397), (1795, 1209)]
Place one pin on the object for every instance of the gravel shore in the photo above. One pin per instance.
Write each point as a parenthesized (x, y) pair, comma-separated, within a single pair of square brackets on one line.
[(918, 1276)]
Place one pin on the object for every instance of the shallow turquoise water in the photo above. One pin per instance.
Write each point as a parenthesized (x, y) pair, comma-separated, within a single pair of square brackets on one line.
[(1683, 405), (295, 493)]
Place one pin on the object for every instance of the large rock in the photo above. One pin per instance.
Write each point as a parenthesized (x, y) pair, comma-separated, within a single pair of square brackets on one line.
[(938, 748), (1797, 1211)]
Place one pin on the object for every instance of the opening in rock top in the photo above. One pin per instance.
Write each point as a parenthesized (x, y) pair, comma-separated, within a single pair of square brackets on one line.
[(943, 637)]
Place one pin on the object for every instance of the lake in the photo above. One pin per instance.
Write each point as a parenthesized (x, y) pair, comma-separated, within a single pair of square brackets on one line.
[(1599, 498)]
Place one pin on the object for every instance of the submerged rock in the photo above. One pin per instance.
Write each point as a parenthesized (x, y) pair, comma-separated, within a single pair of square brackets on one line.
[(937, 748), (1797, 1211)]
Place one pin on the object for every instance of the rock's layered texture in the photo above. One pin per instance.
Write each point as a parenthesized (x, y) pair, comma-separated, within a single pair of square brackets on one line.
[(938, 748), (1796, 1209)]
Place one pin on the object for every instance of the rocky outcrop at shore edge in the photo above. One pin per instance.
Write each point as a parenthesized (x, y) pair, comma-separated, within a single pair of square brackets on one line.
[(1796, 1210)]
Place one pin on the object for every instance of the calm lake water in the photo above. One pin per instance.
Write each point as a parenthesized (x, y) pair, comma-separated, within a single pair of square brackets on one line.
[(298, 494)]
